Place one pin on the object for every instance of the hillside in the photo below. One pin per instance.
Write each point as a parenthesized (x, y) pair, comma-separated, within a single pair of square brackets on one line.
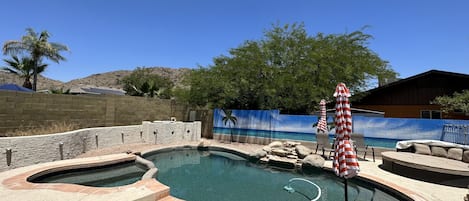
[(43, 82), (108, 79)]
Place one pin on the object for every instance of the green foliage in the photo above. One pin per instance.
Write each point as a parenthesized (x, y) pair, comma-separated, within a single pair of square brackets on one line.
[(459, 101), (38, 47), (60, 91), (181, 94), (144, 83), (287, 70), (24, 68)]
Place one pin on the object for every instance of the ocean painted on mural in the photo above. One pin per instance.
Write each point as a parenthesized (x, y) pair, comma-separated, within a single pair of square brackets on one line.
[(378, 131)]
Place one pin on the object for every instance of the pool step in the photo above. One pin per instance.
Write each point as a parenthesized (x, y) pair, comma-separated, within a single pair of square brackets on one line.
[(364, 193), (382, 196)]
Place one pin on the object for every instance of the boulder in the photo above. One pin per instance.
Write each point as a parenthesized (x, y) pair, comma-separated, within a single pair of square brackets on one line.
[(313, 160), (204, 143), (275, 144), (282, 162), (279, 152), (258, 154), (302, 151), (267, 149), (290, 144)]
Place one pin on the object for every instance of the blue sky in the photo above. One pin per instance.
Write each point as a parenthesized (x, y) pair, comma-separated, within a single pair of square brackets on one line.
[(107, 35)]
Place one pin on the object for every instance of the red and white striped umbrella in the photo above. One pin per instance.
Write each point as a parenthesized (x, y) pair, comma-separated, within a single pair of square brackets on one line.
[(322, 124), (345, 162)]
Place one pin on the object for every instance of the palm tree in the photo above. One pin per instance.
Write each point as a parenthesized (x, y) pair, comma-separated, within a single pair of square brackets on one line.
[(38, 46), (24, 68), (230, 119)]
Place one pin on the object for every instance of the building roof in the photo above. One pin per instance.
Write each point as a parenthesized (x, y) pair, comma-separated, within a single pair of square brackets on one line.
[(96, 90), (418, 76), (419, 89)]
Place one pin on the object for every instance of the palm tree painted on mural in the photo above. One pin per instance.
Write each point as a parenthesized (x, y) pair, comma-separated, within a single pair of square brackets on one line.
[(38, 47), (229, 119), (24, 68)]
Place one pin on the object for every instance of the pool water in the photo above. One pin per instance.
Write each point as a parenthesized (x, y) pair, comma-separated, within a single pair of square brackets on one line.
[(196, 175), (105, 176)]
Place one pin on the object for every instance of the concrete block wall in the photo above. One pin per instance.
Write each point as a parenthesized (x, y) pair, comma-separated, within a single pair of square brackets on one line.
[(29, 110), (28, 150)]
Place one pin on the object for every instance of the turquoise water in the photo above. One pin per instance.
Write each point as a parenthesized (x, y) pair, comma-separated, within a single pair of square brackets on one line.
[(375, 142), (219, 176), (106, 176)]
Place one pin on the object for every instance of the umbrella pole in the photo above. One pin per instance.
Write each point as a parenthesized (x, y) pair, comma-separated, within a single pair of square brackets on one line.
[(345, 189)]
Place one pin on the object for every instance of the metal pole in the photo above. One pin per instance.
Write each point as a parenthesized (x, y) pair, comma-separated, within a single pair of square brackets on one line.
[(61, 150), (345, 189), (8, 154), (96, 138), (84, 144)]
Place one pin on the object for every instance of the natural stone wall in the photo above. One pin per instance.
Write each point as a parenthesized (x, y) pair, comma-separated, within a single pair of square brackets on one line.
[(28, 150), (29, 110)]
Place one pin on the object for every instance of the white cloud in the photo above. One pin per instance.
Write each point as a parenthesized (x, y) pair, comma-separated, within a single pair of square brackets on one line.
[(296, 127), (393, 130), (253, 122)]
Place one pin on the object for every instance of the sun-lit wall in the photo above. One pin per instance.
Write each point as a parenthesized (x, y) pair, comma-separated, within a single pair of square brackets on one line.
[(27, 150)]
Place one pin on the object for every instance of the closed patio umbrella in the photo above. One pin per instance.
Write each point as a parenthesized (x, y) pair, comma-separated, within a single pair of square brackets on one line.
[(322, 124), (345, 162)]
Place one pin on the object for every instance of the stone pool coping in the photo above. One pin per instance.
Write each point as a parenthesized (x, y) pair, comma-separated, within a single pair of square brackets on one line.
[(14, 184)]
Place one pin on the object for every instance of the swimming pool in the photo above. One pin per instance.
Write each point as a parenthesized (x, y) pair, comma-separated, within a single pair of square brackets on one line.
[(196, 175), (105, 176)]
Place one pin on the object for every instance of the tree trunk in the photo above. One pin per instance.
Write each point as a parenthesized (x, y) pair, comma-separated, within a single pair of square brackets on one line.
[(27, 83), (35, 77)]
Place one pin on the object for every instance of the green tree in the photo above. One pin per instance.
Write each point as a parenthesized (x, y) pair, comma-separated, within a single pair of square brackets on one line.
[(459, 101), (142, 82), (38, 47), (288, 70), (60, 91), (181, 94), (24, 68)]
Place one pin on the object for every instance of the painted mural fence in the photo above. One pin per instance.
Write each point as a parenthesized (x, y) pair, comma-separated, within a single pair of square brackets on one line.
[(263, 126), (458, 133)]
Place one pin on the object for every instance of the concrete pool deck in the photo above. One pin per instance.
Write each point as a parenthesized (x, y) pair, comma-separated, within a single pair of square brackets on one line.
[(11, 189)]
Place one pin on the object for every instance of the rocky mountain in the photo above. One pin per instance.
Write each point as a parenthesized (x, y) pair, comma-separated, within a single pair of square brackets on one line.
[(42, 83), (108, 79)]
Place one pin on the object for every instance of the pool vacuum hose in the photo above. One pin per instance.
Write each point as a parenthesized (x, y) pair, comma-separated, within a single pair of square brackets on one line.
[(290, 189)]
